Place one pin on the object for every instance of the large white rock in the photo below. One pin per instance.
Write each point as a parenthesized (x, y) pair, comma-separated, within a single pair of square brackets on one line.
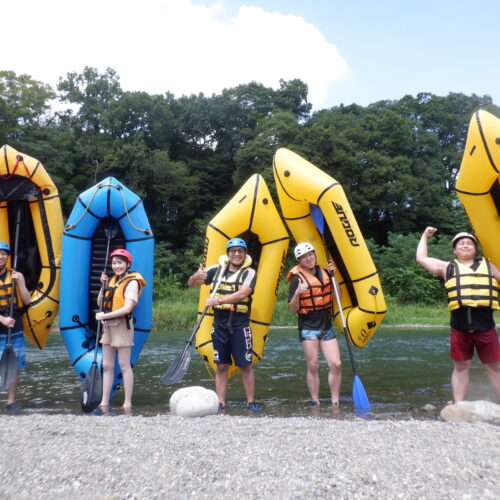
[(472, 411), (194, 401)]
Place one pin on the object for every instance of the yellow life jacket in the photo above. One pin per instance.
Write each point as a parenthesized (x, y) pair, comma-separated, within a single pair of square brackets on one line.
[(231, 284), (469, 288), (318, 296), (114, 293), (6, 294)]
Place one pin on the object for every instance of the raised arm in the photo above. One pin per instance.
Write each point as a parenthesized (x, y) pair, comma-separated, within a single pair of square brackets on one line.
[(435, 266)]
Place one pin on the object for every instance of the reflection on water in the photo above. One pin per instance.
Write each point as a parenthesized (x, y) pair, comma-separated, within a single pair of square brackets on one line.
[(401, 370)]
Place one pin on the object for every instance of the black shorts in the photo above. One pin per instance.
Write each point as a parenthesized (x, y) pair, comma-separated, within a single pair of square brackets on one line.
[(232, 339)]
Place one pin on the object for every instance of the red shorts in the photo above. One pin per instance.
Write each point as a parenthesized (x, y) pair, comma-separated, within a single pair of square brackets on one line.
[(486, 342)]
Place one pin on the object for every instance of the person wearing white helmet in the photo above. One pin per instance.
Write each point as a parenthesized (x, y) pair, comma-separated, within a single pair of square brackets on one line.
[(231, 332), (472, 286), (7, 278), (311, 295)]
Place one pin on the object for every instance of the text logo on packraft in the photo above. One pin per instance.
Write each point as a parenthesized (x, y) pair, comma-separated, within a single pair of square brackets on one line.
[(349, 231)]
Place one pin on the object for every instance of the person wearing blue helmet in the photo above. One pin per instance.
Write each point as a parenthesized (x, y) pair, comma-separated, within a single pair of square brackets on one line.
[(7, 278), (231, 332)]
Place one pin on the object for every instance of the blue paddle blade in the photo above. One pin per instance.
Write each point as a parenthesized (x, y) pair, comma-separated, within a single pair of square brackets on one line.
[(317, 217), (359, 395)]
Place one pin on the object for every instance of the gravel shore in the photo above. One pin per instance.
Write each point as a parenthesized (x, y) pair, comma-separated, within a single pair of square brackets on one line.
[(128, 457)]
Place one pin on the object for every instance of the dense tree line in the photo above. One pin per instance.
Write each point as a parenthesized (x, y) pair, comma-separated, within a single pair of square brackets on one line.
[(185, 156)]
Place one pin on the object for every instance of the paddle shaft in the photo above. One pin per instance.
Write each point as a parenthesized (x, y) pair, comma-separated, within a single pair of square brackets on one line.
[(205, 309), (359, 396), (341, 312), (93, 374), (181, 363), (14, 266), (101, 293)]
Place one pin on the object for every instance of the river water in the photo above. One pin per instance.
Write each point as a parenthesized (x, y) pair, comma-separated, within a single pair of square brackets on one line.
[(401, 371)]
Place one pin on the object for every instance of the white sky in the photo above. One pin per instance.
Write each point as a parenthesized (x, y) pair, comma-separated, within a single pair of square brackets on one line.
[(167, 45), (360, 51)]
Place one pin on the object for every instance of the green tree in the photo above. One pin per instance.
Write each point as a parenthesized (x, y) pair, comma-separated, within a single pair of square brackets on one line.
[(24, 106)]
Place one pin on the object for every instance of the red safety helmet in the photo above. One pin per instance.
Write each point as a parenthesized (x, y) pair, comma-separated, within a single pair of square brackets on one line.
[(122, 253)]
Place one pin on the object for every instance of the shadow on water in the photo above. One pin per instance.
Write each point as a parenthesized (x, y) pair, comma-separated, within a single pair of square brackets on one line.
[(401, 370)]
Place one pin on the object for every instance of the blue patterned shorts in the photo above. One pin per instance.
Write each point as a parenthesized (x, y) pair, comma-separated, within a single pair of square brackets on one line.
[(316, 335), (17, 342)]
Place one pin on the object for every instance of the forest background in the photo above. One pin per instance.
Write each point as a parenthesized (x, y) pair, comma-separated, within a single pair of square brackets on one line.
[(186, 157)]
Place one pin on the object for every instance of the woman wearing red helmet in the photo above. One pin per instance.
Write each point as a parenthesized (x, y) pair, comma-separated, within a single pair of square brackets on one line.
[(121, 295)]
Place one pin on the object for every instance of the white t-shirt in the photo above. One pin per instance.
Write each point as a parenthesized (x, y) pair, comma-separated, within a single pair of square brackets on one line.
[(132, 291)]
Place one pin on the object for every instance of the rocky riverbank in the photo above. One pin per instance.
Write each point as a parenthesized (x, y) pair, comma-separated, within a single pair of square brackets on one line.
[(131, 457)]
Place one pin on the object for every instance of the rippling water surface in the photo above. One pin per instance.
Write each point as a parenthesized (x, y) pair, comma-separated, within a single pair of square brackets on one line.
[(401, 370)]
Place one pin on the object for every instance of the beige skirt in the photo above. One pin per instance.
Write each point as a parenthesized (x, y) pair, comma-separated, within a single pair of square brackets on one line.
[(116, 334)]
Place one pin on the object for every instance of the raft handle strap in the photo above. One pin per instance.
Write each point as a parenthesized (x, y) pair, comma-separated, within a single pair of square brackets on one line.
[(146, 231), (87, 207)]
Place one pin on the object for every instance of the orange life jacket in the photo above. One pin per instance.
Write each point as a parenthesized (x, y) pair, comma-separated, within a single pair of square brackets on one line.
[(319, 294), (6, 294), (114, 293)]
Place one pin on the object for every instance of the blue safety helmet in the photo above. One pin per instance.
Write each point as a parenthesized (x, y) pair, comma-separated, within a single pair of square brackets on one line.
[(236, 242), (5, 247)]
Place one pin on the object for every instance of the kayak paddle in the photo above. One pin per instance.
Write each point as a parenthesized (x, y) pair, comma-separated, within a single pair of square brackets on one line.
[(8, 362), (92, 385), (358, 391), (176, 371)]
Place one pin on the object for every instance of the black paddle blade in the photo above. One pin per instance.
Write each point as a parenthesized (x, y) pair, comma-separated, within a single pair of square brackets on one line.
[(179, 366), (8, 368), (92, 389), (110, 227)]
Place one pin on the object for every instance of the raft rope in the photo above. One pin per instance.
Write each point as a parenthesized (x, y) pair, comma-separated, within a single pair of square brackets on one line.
[(146, 231), (87, 208), (29, 175), (19, 159)]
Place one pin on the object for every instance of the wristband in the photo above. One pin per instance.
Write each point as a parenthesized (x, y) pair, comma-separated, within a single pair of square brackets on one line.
[(219, 301)]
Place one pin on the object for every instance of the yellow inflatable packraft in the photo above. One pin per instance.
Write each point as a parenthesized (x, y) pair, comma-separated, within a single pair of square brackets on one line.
[(299, 184), (25, 186), (478, 182), (251, 215)]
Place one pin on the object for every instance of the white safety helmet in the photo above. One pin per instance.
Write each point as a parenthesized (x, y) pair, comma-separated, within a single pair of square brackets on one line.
[(459, 236), (302, 248)]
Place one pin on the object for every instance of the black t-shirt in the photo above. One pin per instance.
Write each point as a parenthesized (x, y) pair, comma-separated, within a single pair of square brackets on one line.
[(314, 320)]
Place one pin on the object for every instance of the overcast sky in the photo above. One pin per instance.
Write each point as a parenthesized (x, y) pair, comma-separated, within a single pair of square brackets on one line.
[(359, 51)]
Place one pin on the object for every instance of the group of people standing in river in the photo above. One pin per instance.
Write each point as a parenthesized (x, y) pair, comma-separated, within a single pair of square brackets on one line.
[(472, 286)]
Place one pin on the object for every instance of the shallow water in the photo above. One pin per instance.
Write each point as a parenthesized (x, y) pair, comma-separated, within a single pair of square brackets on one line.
[(401, 370)]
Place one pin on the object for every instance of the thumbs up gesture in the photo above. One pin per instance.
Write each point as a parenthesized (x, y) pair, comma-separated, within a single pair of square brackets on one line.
[(201, 274), (303, 286)]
